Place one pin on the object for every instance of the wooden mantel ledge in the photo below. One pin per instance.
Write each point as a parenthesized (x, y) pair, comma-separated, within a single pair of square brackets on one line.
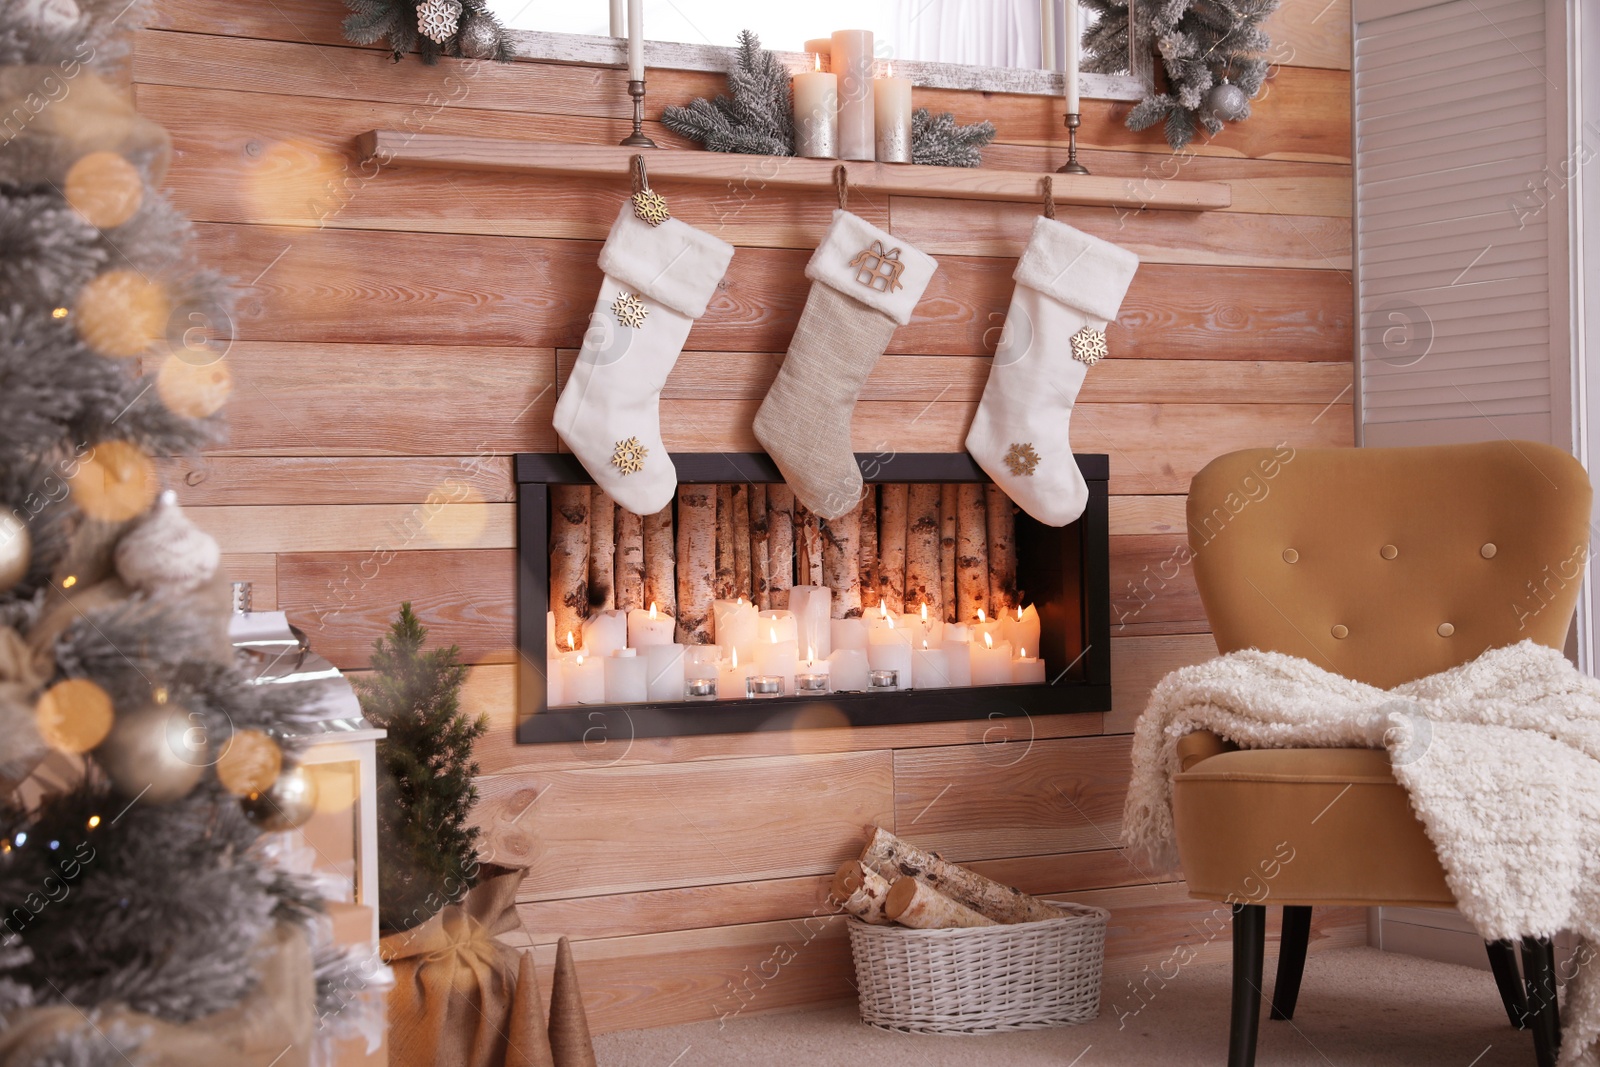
[(452, 152)]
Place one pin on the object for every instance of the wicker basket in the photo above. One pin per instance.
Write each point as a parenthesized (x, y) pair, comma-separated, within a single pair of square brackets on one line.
[(981, 980)]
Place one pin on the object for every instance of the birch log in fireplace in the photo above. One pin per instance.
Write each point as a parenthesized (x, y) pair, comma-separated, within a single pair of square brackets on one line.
[(932, 539)]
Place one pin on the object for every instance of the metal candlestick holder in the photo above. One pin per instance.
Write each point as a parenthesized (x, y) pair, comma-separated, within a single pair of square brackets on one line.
[(1071, 166), (637, 138)]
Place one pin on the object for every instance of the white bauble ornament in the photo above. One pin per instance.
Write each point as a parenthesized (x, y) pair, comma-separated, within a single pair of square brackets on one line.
[(16, 551), (1227, 101), (166, 550), (154, 753), (50, 14)]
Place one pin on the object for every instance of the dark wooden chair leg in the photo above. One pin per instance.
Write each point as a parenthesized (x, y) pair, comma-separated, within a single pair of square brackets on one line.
[(1249, 946), (1503, 961), (1291, 959), (1539, 970)]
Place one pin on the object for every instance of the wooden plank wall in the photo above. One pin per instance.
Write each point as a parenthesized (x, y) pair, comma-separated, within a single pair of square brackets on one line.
[(401, 335)]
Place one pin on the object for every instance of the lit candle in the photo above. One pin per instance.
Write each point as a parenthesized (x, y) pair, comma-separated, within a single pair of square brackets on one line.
[(931, 667), (732, 676), (647, 628), (625, 675), (1026, 670), (850, 59), (847, 667), (1020, 626), (812, 606), (604, 632), (665, 671), (816, 113), (636, 40), (880, 619), (778, 657), (813, 675), (922, 628), (984, 625), (583, 679), (891, 103), (781, 623), (889, 649), (734, 623), (991, 662), (1072, 43), (847, 633)]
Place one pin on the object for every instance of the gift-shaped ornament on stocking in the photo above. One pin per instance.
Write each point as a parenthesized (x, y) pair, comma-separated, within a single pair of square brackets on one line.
[(864, 284), (1069, 287), (658, 276)]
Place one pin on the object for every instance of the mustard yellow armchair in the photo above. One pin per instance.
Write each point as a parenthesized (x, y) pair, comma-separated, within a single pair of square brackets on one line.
[(1383, 565)]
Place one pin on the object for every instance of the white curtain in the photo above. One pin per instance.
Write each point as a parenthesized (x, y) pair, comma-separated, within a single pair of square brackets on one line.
[(989, 33)]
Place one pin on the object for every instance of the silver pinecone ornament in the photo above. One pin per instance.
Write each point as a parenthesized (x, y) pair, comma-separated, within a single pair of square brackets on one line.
[(1227, 101), (437, 19)]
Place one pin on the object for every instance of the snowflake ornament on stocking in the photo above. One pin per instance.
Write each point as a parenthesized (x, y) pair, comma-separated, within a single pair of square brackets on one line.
[(437, 19)]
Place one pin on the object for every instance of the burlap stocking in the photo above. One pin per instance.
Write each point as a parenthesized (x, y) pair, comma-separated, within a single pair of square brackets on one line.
[(865, 283)]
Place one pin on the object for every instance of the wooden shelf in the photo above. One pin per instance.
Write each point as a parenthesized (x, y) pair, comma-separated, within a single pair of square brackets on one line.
[(451, 152)]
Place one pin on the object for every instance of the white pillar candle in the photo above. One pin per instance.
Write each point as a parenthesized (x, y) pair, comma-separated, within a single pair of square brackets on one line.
[(956, 632), (734, 626), (891, 105), (701, 661), (983, 625), (1072, 44), (845, 633), (851, 61), (879, 619), (816, 113), (732, 675), (959, 656), (777, 657), (552, 682), (604, 632), (822, 47), (991, 661), (783, 623), (665, 671), (625, 674), (889, 649), (816, 668), (812, 606), (583, 679), (647, 628), (1020, 626), (848, 669), (636, 40), (931, 668), (1027, 670)]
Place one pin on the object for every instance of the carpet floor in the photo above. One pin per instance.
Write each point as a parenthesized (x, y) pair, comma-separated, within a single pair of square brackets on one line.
[(1358, 1008)]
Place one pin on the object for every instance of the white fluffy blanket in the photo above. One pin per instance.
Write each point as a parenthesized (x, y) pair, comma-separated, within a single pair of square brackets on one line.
[(1501, 757)]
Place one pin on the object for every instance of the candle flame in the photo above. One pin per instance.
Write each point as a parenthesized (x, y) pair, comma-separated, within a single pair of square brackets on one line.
[(890, 620), (924, 613), (652, 611), (981, 616), (888, 69), (1022, 653), (988, 642), (580, 659), (883, 609), (772, 634), (571, 644), (924, 644), (736, 657), (1019, 612), (740, 602), (816, 58)]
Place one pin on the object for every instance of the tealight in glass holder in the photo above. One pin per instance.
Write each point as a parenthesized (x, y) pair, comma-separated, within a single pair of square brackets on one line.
[(763, 687), (884, 681), (700, 689), (811, 685)]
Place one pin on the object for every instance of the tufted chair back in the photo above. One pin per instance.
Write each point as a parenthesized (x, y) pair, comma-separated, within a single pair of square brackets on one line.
[(1389, 564)]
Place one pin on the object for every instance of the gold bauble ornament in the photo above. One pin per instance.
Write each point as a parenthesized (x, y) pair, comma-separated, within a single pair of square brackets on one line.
[(193, 391), (115, 482), (73, 716), (287, 804), (16, 551), (105, 189), (154, 753), (251, 763), (121, 313)]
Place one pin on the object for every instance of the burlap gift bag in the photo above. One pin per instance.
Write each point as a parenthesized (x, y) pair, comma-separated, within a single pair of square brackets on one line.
[(456, 1000)]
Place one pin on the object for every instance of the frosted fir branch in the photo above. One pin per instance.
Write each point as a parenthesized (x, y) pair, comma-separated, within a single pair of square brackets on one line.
[(757, 119), (937, 140)]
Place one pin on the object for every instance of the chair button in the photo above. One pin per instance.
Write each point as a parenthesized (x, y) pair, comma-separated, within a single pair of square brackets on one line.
[(1340, 631), (1388, 552), (1291, 556), (1488, 551), (1446, 629)]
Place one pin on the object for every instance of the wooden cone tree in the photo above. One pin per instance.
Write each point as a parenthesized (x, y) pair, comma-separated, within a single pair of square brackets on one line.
[(528, 1044), (570, 1041)]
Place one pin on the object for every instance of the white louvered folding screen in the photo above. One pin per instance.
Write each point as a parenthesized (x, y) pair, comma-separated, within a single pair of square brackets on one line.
[(1460, 223)]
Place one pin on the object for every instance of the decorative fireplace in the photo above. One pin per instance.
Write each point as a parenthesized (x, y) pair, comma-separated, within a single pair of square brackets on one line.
[(1061, 573)]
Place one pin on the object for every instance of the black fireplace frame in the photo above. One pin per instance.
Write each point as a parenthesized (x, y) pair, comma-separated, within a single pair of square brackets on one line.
[(1059, 562)]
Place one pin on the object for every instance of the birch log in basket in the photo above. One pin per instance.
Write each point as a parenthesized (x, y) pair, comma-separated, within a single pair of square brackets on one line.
[(981, 979)]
